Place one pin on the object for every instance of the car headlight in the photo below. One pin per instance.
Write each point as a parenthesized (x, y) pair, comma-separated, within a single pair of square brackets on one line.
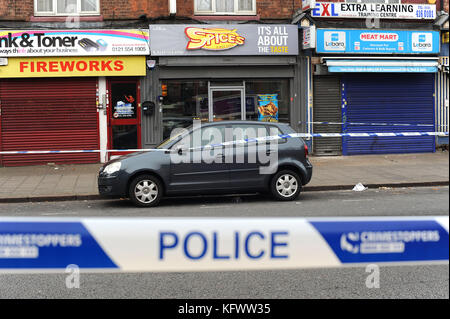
[(112, 168)]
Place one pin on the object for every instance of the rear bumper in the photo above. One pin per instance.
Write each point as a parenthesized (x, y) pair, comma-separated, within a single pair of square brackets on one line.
[(309, 170)]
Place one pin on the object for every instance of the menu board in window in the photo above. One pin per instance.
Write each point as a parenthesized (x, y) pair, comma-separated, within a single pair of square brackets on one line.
[(268, 107)]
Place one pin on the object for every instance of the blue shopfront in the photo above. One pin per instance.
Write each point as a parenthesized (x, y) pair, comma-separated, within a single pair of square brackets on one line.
[(380, 81)]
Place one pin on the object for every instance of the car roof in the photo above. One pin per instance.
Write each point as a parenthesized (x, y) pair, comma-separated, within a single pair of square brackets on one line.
[(243, 122)]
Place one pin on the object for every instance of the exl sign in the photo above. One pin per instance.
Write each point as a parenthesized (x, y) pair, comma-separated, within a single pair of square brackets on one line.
[(373, 10)]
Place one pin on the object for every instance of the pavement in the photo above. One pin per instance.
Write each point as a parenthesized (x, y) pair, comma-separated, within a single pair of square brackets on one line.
[(79, 182)]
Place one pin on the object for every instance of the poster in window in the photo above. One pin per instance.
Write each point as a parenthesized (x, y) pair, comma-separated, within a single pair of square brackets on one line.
[(268, 107), (124, 108)]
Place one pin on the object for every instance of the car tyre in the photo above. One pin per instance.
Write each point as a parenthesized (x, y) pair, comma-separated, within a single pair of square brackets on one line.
[(285, 185), (145, 191)]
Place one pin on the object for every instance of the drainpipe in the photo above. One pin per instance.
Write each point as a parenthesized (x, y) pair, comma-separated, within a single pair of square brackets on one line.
[(172, 7)]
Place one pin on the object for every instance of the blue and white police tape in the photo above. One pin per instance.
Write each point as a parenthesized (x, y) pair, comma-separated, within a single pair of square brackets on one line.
[(258, 139), (378, 124), (218, 244)]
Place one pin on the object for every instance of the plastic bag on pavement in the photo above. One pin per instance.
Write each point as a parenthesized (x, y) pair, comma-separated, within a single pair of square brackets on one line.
[(359, 188)]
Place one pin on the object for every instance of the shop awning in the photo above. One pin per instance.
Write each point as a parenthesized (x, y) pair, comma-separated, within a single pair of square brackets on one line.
[(383, 66)]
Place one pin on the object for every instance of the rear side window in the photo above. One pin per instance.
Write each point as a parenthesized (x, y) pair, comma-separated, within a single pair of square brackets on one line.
[(275, 130), (246, 132)]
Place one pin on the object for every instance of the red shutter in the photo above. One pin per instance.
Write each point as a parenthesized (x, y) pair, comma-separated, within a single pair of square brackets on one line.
[(48, 114)]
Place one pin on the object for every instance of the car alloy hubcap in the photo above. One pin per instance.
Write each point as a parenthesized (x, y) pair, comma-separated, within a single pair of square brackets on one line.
[(146, 191), (286, 185)]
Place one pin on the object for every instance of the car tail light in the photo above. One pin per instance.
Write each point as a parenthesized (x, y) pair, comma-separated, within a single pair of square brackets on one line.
[(306, 150)]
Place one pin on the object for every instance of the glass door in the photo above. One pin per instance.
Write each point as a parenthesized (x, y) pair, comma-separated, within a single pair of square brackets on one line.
[(226, 104), (124, 129)]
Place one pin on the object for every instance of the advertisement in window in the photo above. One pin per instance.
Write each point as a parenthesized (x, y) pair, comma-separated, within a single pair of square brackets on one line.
[(268, 107)]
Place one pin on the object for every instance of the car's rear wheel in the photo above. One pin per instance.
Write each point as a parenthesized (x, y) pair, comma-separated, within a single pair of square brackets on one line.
[(145, 191), (285, 185)]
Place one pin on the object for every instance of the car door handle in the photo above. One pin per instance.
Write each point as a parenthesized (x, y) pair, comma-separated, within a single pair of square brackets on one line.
[(220, 155)]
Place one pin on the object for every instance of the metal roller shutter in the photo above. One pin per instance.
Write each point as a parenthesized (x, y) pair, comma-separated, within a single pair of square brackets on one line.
[(48, 114), (389, 98), (327, 108)]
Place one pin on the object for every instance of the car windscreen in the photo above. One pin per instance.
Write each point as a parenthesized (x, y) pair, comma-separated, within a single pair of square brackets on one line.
[(174, 137)]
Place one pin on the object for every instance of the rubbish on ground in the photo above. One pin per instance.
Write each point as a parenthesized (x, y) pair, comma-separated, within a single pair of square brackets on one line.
[(359, 187)]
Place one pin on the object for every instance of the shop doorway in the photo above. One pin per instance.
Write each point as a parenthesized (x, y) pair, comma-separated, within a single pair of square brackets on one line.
[(226, 103), (124, 116)]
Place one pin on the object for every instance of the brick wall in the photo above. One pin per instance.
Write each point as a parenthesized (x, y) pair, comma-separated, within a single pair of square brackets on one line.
[(22, 10), (132, 9), (277, 9), (16, 10)]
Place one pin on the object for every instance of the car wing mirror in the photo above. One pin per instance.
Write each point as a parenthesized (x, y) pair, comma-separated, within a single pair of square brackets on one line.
[(180, 149)]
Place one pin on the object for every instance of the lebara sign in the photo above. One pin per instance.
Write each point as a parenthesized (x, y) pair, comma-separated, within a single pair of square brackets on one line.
[(178, 40), (377, 41), (374, 10)]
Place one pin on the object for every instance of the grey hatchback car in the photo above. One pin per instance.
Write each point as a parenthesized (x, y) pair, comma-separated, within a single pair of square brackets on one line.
[(212, 159)]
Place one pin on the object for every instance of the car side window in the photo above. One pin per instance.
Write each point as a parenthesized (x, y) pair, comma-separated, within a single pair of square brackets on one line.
[(209, 135), (212, 135), (184, 143)]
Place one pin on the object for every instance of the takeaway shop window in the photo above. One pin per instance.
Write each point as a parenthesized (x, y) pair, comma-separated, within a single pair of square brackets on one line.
[(66, 7), (183, 102), (267, 100), (225, 7)]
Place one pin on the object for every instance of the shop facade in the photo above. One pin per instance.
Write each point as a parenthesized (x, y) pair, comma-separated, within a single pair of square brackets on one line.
[(443, 84), (373, 76), (70, 90), (221, 72)]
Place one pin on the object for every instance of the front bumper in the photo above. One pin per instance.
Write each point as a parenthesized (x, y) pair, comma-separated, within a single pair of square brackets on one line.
[(111, 185)]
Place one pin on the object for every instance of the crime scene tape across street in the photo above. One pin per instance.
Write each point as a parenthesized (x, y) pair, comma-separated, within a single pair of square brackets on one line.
[(218, 244), (259, 139)]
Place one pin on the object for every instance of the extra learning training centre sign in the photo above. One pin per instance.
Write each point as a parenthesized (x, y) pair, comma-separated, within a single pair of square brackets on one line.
[(373, 10)]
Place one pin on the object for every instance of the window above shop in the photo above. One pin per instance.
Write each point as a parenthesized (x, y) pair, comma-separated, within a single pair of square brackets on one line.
[(66, 7), (225, 7)]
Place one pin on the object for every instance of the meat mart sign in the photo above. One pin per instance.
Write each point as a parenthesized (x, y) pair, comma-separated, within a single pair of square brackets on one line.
[(373, 10)]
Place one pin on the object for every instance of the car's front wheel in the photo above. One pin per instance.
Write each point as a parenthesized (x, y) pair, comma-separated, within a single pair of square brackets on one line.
[(285, 185), (145, 191)]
